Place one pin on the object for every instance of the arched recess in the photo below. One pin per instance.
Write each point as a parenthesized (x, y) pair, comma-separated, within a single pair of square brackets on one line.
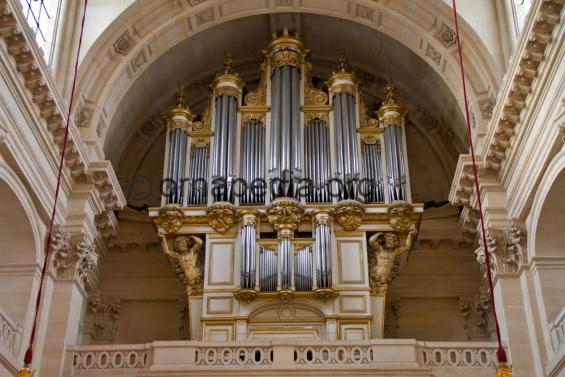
[(21, 252), (153, 28), (296, 320), (546, 246)]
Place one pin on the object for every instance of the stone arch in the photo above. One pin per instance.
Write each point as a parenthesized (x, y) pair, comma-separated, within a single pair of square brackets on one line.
[(106, 75), (21, 253), (546, 244)]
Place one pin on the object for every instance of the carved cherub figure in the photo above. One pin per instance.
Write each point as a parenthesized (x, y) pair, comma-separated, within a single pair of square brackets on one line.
[(186, 252), (385, 250)]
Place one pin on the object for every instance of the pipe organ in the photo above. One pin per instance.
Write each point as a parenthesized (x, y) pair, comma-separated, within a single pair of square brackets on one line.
[(285, 185)]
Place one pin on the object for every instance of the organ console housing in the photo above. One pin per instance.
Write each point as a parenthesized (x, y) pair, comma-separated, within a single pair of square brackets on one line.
[(285, 186)]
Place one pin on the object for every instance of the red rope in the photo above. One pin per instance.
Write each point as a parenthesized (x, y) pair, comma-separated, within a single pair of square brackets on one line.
[(501, 353), (29, 352)]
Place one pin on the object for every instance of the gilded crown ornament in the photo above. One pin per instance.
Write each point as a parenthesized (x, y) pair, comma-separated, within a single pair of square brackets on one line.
[(342, 80), (348, 214), (285, 213), (221, 216), (228, 82)]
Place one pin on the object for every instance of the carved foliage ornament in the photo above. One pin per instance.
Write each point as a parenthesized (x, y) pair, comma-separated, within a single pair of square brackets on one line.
[(171, 217), (258, 97), (505, 250), (286, 57), (100, 318), (72, 259), (285, 213), (221, 216), (348, 214), (312, 96)]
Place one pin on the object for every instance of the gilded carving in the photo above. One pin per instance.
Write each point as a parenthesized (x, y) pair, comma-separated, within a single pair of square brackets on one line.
[(226, 91), (171, 217), (369, 129), (221, 216), (326, 294), (201, 132), (384, 252), (285, 213), (187, 252), (258, 97), (246, 295), (400, 216), (349, 214), (311, 115), (247, 117), (285, 57), (312, 96)]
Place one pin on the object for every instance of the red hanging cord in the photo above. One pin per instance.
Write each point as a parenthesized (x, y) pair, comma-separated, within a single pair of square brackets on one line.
[(29, 352), (501, 353)]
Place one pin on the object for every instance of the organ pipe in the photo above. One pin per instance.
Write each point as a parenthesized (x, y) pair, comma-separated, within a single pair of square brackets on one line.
[(322, 247), (392, 117), (227, 89), (343, 86), (178, 121), (286, 56), (248, 249)]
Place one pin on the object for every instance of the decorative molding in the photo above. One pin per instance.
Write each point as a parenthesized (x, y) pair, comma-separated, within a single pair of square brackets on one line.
[(100, 319), (433, 54), (123, 44), (446, 36)]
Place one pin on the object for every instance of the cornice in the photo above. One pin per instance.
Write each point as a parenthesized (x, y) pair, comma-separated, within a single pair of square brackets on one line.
[(508, 120)]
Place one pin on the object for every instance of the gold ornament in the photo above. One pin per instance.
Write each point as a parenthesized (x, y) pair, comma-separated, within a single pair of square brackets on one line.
[(312, 96), (383, 256), (503, 370), (221, 216), (24, 372), (348, 214), (247, 117), (326, 294), (187, 252), (400, 216), (258, 97), (246, 295), (285, 213), (286, 57), (171, 217)]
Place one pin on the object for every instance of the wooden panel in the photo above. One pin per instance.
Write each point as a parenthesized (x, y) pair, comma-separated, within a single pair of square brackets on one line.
[(350, 262), (220, 266)]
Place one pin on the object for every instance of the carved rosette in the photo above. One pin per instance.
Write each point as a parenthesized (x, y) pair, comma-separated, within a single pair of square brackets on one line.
[(171, 217), (72, 260), (348, 214), (285, 214), (221, 216), (400, 216)]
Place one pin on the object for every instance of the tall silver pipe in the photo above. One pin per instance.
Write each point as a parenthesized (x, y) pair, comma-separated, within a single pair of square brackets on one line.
[(296, 128), (275, 121)]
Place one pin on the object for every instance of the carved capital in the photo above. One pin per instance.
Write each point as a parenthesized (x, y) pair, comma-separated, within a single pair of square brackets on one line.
[(506, 248), (348, 214), (285, 213), (221, 216), (171, 217), (72, 260)]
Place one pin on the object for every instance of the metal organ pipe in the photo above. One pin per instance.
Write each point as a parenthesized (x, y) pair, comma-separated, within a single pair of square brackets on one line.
[(322, 250), (179, 120)]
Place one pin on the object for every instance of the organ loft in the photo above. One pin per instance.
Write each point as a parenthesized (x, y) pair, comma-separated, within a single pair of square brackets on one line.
[(288, 208)]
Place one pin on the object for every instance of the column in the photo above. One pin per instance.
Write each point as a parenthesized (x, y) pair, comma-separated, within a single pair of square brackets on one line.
[(73, 258)]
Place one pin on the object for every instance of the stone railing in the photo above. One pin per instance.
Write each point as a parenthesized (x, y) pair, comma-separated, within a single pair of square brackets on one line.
[(557, 330), (10, 335), (194, 358), (10, 340)]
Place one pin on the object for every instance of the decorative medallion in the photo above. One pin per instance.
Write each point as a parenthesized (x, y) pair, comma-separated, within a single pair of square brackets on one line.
[(400, 216), (171, 217), (348, 214), (221, 216), (285, 213)]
